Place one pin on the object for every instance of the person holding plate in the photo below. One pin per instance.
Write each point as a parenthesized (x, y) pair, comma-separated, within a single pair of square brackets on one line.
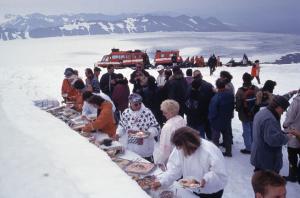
[(198, 160), (140, 127)]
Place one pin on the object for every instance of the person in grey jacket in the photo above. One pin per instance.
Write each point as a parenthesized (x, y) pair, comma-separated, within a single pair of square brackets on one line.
[(292, 121), (268, 138)]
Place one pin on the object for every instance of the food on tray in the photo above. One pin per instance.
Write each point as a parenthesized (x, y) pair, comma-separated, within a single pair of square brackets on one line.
[(140, 167), (138, 134), (166, 194), (146, 182), (112, 152), (121, 162), (189, 183)]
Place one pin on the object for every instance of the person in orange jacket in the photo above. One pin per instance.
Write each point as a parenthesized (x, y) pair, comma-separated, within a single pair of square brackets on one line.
[(105, 121), (255, 71), (67, 91)]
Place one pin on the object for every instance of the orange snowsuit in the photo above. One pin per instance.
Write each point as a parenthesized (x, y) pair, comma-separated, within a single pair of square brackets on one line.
[(67, 88), (105, 121), (255, 70)]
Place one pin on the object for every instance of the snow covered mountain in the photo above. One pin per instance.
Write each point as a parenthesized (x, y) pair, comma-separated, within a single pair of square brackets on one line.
[(40, 26)]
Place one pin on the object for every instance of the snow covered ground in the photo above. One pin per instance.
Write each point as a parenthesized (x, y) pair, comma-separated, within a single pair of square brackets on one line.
[(40, 156)]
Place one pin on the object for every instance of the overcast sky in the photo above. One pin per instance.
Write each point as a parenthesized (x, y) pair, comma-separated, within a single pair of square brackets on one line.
[(194, 7), (252, 12)]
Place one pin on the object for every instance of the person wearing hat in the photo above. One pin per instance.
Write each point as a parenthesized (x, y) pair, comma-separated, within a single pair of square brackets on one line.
[(268, 138), (265, 95), (161, 79), (68, 92), (135, 119), (245, 102)]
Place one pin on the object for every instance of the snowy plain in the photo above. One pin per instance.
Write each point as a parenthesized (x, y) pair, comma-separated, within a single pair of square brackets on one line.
[(40, 156)]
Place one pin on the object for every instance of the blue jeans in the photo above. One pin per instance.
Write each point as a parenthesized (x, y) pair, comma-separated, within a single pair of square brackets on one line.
[(199, 128), (247, 134)]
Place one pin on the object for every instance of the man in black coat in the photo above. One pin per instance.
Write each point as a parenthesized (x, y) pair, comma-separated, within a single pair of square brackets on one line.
[(107, 81)]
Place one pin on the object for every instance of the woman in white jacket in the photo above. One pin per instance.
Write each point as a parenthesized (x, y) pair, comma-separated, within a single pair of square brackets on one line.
[(170, 109), (198, 159)]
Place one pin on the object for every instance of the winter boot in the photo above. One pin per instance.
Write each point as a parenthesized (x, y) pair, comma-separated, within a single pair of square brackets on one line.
[(292, 174)]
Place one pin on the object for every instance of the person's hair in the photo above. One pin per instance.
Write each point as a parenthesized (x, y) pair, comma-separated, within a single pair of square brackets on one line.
[(263, 178), (186, 138), (226, 74), (189, 72), (170, 106), (197, 73), (86, 95), (168, 73), (97, 69), (256, 61), (89, 71), (269, 86), (78, 84), (110, 66), (176, 70), (220, 83), (97, 100)]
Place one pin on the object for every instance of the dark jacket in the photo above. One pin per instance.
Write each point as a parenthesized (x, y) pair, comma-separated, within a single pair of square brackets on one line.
[(239, 99), (105, 83), (220, 110), (120, 95), (268, 139), (177, 90), (197, 102)]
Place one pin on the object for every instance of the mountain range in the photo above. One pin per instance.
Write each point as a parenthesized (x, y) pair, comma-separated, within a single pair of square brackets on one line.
[(40, 26)]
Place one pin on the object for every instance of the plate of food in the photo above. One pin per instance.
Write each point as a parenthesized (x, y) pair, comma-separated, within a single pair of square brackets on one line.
[(146, 182), (166, 194), (138, 134), (140, 167), (114, 151), (122, 163), (189, 183)]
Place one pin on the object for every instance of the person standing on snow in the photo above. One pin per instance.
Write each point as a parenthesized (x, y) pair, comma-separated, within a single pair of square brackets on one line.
[(212, 63), (255, 71)]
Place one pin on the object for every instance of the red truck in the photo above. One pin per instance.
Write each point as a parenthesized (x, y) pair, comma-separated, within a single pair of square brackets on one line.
[(122, 59), (167, 58)]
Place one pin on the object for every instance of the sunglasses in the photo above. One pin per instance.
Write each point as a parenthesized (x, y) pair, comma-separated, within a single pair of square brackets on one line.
[(136, 104)]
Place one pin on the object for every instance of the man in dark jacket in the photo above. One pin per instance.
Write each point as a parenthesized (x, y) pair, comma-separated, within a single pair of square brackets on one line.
[(220, 114), (196, 106), (107, 81), (212, 63), (177, 88), (268, 138), (245, 104)]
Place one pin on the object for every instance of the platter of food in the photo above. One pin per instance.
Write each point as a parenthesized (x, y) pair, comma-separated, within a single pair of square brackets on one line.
[(166, 194), (146, 182), (113, 152), (139, 134), (189, 183), (122, 163), (140, 167)]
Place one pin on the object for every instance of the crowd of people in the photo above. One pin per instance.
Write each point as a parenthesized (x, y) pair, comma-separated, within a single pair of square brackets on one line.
[(190, 119)]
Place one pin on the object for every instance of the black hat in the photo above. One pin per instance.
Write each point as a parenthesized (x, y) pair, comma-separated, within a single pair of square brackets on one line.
[(68, 72), (247, 77), (281, 101), (269, 86)]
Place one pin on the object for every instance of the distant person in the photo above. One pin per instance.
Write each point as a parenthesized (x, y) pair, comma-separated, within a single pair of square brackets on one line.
[(161, 78), (68, 92), (212, 63), (120, 93), (97, 71), (107, 81), (91, 81), (245, 60), (268, 184), (174, 60), (255, 71), (136, 77), (189, 76)]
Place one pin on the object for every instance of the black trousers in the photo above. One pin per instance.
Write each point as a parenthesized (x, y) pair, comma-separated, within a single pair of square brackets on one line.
[(293, 155), (218, 194)]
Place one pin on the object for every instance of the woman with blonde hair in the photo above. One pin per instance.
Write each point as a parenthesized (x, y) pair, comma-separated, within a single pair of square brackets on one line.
[(170, 109)]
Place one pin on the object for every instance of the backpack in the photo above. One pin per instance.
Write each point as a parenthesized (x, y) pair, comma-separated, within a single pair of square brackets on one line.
[(249, 100)]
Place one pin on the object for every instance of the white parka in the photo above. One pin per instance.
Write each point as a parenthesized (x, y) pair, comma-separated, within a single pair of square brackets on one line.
[(165, 146), (207, 163)]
